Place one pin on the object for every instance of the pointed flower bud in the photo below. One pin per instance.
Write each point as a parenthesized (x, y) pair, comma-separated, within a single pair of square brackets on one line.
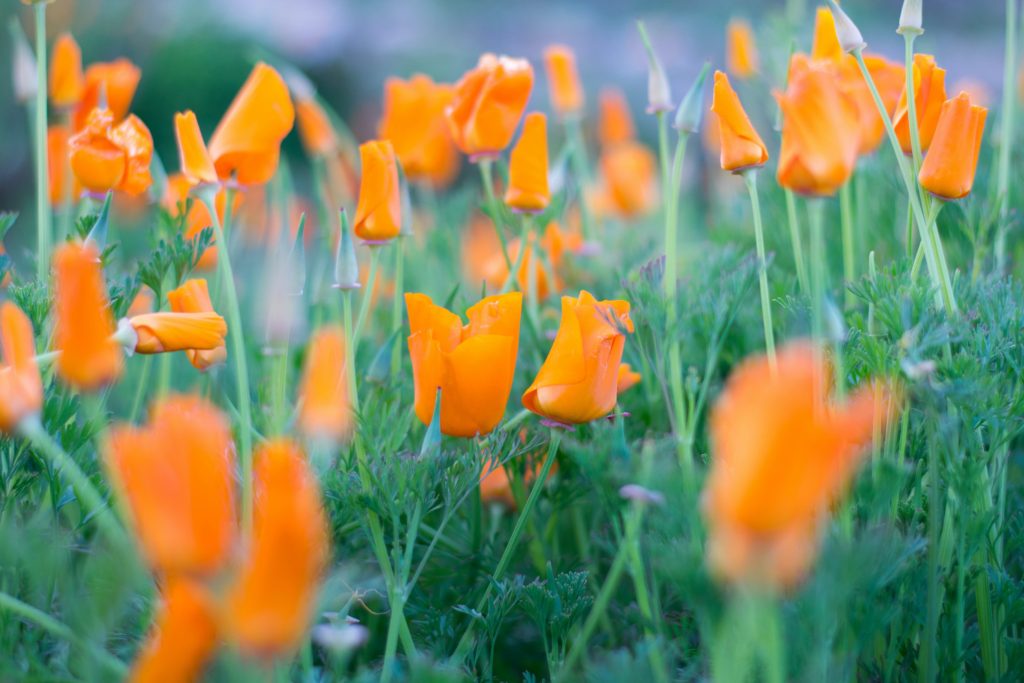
[(659, 94), (849, 35), (432, 439), (911, 20), (346, 267), (691, 109)]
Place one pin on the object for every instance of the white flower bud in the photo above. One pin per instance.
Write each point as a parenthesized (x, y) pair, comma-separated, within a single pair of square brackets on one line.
[(911, 20), (659, 94), (849, 35)]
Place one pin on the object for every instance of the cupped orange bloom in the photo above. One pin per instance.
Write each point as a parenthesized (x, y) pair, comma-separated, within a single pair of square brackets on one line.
[(324, 410), (193, 298), (614, 123), (196, 164), (741, 146), (183, 637), (414, 121), (315, 129), (528, 190), (176, 477), (578, 381), (270, 605), (488, 103), (168, 332), (820, 129), (21, 387), (628, 378), (782, 455), (67, 83), (57, 156), (379, 211), (116, 80), (472, 364), (948, 169), (564, 86), (741, 50), (825, 45), (107, 156), (929, 96), (247, 142), (84, 325), (629, 181)]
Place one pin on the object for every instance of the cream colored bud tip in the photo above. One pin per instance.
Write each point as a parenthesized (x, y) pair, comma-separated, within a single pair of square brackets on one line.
[(849, 35), (911, 19)]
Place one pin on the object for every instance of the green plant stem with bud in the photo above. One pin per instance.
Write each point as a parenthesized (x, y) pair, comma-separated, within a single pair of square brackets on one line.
[(750, 178), (44, 218)]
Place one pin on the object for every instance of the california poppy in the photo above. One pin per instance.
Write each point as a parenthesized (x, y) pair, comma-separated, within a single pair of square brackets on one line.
[(578, 380), (57, 155), (825, 44), (21, 387), (66, 79), (484, 260), (162, 332), (614, 123), (629, 180), (107, 156), (488, 103), (324, 411), (528, 190), (628, 378), (496, 487), (193, 297), (315, 129), (564, 86), (84, 325), (379, 211), (885, 75), (742, 147), (929, 96), (116, 80), (414, 121), (472, 364), (741, 50), (948, 169), (183, 636), (198, 218), (194, 158)]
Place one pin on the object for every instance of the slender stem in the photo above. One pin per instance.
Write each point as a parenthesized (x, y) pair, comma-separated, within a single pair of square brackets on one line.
[(532, 306), (350, 351), (643, 600), (908, 70), (487, 178), (399, 595), (849, 249), (797, 240), (367, 302), (1006, 138), (44, 217), (396, 306), (513, 274), (581, 169), (750, 178), (237, 334)]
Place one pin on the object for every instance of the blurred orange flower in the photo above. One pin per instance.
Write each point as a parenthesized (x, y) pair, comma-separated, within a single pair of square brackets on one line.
[(495, 486), (315, 129), (741, 50), (107, 156), (183, 637), (198, 219), (116, 80), (484, 261), (890, 79), (270, 604), (142, 303), (379, 211), (741, 146), (949, 167), (615, 123), (627, 379), (324, 411), (564, 86), (193, 297), (489, 101), (21, 387), (472, 364), (629, 181), (887, 77), (528, 190), (66, 79), (58, 165), (929, 96), (414, 121), (84, 325), (579, 379)]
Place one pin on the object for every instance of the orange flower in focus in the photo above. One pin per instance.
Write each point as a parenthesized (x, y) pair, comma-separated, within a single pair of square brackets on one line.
[(176, 477), (105, 156), (826, 40), (742, 147), (66, 79), (57, 164), (929, 96), (782, 456), (193, 297), (324, 409), (117, 80), (315, 128), (269, 607), (741, 50), (183, 638), (564, 86), (247, 142), (615, 123), (948, 169), (168, 332), (84, 325), (414, 121), (627, 379), (629, 180), (21, 387), (528, 190), (195, 161), (379, 211), (578, 381), (820, 129), (472, 364), (488, 103)]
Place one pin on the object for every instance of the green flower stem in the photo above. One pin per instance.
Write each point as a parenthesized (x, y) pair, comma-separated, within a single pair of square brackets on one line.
[(397, 303), (364, 305), (849, 247), (493, 206), (819, 270), (750, 178), (532, 305), (44, 218), (44, 621), (643, 600), (510, 279), (237, 335), (399, 595), (933, 216), (908, 70), (797, 241), (1006, 119), (279, 388), (927, 662), (581, 169), (513, 541)]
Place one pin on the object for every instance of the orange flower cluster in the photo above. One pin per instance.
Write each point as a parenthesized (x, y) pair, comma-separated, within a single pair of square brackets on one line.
[(485, 262), (628, 184)]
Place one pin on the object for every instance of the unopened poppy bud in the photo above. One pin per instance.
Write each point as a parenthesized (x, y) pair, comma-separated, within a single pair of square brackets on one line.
[(346, 267), (849, 35), (432, 439), (911, 20), (691, 109), (23, 66), (659, 94)]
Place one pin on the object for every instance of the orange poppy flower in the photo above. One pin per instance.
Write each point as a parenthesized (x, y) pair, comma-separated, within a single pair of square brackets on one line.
[(315, 129), (629, 181), (948, 169), (117, 80), (782, 456), (564, 86), (488, 103), (886, 76), (21, 387), (324, 409), (627, 379), (195, 161), (176, 477), (495, 487), (484, 261), (528, 190), (579, 379), (472, 364), (247, 142), (105, 156), (929, 96), (84, 325), (66, 79), (414, 121), (820, 129), (168, 332), (826, 44), (142, 303), (742, 147), (183, 638), (741, 50), (889, 77), (271, 602), (58, 165), (379, 211), (193, 297), (615, 123)]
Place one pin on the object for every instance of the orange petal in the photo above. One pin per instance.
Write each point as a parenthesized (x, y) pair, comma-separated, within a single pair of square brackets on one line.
[(195, 160)]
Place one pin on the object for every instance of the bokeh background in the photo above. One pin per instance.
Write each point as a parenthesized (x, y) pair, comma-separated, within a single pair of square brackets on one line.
[(195, 53)]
